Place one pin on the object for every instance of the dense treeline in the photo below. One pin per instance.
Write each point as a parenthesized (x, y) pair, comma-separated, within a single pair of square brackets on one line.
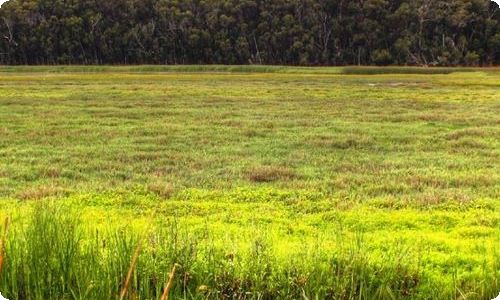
[(305, 32)]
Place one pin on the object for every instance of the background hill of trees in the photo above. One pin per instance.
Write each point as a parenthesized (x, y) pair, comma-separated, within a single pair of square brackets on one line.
[(302, 32)]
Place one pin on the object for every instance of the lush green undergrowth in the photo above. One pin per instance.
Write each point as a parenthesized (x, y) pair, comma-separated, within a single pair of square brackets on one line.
[(81, 248)]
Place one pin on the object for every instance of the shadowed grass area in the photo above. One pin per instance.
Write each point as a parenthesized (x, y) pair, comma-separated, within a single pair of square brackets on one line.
[(265, 183)]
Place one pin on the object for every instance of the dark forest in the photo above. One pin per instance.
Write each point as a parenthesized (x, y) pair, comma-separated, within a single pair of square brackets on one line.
[(287, 32)]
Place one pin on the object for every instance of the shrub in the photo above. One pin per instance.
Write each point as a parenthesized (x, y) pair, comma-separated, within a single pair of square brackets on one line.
[(382, 57), (472, 59)]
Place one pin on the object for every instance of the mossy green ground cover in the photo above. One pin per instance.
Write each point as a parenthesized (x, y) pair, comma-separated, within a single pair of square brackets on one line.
[(267, 182)]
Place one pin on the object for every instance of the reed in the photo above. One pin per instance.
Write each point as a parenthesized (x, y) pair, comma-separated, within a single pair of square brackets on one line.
[(131, 269), (2, 243), (170, 283)]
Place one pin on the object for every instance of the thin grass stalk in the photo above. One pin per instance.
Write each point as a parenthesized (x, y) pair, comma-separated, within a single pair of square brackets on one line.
[(135, 257), (2, 243), (169, 285), (131, 269)]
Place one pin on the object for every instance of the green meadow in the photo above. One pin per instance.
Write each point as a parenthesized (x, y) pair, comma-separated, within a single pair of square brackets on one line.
[(255, 182)]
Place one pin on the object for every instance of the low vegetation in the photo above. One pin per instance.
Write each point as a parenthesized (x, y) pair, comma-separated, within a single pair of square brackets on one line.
[(229, 249), (284, 184)]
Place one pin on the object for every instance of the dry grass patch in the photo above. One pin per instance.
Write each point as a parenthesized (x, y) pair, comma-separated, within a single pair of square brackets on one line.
[(251, 133), (468, 132), (270, 173), (50, 173), (433, 198), (343, 142), (467, 144), (162, 190), (421, 182), (40, 192)]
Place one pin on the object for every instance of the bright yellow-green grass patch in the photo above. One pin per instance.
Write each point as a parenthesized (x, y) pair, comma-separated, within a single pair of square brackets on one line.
[(261, 182)]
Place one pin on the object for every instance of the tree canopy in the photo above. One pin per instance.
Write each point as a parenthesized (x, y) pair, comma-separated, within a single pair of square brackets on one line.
[(298, 32)]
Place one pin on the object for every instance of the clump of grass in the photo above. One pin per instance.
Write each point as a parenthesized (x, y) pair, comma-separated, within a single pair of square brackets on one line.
[(162, 190), (44, 254), (50, 173), (270, 173), (52, 256)]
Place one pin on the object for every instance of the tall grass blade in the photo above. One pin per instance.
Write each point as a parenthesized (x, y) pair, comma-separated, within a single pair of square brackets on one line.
[(170, 283), (131, 269), (2, 243)]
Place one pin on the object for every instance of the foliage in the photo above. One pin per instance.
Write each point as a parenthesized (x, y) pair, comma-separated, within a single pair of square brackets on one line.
[(381, 57), (298, 32)]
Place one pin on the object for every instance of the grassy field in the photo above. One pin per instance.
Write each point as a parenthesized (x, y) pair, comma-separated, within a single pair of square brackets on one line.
[(258, 182)]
